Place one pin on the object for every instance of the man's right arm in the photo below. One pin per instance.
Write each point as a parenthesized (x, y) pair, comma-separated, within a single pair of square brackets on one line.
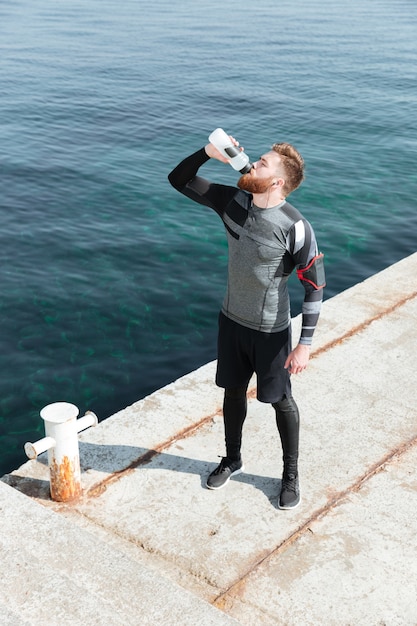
[(187, 169), (184, 178)]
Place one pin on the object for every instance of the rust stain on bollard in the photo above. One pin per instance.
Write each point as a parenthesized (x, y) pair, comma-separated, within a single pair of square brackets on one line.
[(64, 485)]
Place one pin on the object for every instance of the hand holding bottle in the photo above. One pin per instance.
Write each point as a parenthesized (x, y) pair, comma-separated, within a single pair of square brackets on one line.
[(215, 153), (225, 148)]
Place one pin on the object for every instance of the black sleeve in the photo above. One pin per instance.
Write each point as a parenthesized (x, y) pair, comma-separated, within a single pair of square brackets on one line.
[(184, 178), (187, 169)]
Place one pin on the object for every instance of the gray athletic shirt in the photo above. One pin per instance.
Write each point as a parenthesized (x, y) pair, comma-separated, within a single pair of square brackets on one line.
[(265, 245)]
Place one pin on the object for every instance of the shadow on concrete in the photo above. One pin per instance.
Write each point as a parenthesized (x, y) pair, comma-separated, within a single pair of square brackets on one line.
[(108, 463), (32, 487), (118, 459)]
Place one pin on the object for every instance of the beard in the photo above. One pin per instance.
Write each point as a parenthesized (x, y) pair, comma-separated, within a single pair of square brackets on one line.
[(255, 185)]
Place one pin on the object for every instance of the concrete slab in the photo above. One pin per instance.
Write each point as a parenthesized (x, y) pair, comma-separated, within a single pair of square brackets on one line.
[(327, 561), (56, 573), (8, 618), (355, 565)]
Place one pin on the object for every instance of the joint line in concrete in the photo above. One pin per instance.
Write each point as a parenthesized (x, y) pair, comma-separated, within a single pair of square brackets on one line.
[(223, 599), (361, 327)]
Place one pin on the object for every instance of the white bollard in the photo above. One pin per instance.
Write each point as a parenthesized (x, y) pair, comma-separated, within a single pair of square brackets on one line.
[(61, 441)]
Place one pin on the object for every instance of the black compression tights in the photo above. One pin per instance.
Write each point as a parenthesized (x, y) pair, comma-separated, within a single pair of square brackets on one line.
[(235, 406), (287, 419), (288, 423)]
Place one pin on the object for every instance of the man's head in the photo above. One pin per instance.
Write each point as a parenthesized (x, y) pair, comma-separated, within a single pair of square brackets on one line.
[(293, 164), (282, 167)]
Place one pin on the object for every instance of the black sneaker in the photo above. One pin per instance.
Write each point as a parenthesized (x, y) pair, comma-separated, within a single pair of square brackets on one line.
[(223, 472), (289, 498)]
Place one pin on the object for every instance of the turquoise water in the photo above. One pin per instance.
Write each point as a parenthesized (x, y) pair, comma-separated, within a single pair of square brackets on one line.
[(111, 281)]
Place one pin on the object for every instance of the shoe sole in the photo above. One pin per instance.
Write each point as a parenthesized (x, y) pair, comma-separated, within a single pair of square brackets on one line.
[(289, 508), (239, 471)]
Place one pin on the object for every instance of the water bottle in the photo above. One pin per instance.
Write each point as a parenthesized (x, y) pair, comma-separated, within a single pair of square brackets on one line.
[(238, 159)]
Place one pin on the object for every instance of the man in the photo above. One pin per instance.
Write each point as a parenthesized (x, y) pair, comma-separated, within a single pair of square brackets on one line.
[(267, 239)]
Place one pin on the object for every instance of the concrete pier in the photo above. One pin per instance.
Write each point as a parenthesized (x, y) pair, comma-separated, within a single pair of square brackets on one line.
[(148, 544)]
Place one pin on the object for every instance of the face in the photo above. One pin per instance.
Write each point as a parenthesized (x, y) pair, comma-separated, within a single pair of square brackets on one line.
[(264, 174)]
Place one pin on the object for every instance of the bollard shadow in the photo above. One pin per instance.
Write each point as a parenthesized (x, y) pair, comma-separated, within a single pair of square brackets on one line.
[(32, 487)]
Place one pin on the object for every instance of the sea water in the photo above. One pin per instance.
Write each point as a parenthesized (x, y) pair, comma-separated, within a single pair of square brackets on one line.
[(111, 281)]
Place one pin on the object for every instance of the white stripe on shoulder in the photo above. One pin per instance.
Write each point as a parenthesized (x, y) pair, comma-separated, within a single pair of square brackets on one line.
[(300, 235)]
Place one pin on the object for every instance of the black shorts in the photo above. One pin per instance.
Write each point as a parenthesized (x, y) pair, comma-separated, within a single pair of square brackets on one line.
[(241, 352)]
